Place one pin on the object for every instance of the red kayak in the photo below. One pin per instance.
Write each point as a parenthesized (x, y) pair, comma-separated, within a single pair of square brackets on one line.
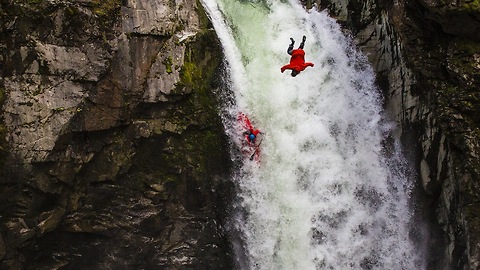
[(250, 149)]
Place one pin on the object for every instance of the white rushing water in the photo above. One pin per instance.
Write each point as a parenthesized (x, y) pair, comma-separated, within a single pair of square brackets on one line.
[(323, 195)]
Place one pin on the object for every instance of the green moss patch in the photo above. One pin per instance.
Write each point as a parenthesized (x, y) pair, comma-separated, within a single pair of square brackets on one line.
[(200, 65), (106, 8), (168, 64), (472, 6), (191, 151)]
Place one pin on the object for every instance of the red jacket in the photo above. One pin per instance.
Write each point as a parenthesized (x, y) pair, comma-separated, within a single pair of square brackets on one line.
[(297, 62)]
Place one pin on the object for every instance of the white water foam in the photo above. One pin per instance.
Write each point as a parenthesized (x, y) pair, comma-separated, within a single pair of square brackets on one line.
[(323, 196)]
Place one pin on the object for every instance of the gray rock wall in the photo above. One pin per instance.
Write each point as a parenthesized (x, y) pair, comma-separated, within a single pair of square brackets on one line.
[(426, 57), (116, 153)]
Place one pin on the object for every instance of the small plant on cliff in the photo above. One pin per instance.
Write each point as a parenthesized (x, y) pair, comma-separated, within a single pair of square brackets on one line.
[(168, 64), (472, 6), (105, 8)]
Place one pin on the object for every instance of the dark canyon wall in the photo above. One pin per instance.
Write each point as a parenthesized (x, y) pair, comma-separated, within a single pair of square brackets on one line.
[(113, 154), (427, 58), (112, 148)]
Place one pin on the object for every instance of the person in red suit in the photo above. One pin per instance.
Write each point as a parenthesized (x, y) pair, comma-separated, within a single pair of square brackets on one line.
[(297, 61), (251, 135), (250, 132)]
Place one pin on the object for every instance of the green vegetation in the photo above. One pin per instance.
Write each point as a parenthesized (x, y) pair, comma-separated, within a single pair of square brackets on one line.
[(192, 148), (472, 6), (189, 72), (59, 109), (168, 64), (106, 8), (200, 63), (71, 11)]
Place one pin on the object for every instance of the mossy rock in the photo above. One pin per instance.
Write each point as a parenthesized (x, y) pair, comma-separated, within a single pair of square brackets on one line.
[(463, 54), (106, 8), (40, 18), (473, 6), (463, 66)]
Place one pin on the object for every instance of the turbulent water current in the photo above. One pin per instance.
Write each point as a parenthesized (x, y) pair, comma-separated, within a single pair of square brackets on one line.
[(325, 193)]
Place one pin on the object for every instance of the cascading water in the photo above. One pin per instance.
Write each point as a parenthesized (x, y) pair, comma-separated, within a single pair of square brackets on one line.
[(324, 195)]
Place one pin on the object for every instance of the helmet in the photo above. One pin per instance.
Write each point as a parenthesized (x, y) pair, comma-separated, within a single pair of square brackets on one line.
[(251, 137), (294, 73)]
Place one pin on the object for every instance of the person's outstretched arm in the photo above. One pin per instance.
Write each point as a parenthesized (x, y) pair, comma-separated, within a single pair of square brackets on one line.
[(282, 69)]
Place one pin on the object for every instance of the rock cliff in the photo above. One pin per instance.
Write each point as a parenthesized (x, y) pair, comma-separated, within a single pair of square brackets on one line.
[(114, 151), (113, 154), (427, 57)]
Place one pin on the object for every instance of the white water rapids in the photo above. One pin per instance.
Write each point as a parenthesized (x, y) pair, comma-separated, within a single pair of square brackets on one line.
[(324, 194)]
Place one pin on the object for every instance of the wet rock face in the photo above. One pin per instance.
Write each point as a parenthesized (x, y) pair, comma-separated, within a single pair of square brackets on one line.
[(426, 54), (458, 18), (116, 154)]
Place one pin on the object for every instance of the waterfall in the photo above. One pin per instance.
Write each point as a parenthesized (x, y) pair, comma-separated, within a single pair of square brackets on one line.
[(324, 194)]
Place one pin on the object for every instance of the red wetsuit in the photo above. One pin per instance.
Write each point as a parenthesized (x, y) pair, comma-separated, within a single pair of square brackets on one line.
[(297, 62), (248, 146)]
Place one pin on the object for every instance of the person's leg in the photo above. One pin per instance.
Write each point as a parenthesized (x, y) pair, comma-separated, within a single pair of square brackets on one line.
[(303, 42), (290, 47)]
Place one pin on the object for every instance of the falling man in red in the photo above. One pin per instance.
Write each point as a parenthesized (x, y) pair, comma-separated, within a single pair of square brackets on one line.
[(297, 62)]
